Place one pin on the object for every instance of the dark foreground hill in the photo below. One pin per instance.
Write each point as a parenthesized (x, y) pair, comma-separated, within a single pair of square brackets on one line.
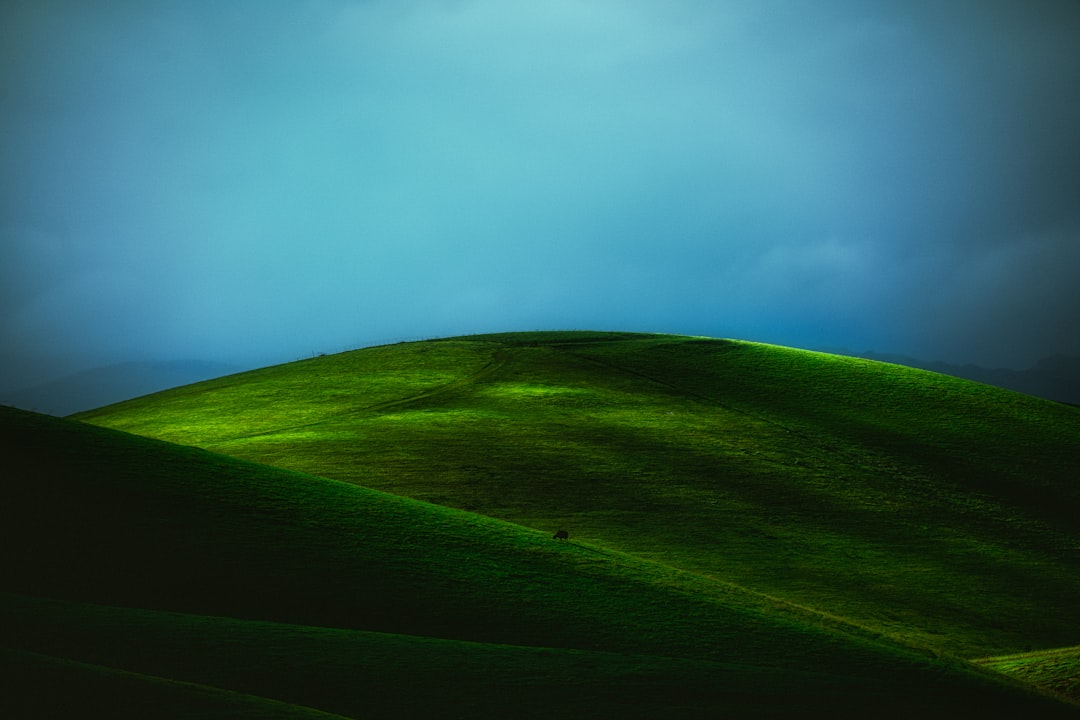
[(932, 510), (148, 579)]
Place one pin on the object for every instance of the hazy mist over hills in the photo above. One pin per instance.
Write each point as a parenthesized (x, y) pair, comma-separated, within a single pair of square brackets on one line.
[(1054, 378), (105, 385)]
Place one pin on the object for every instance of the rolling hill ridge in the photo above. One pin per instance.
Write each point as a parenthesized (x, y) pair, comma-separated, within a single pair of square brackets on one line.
[(197, 580), (754, 531), (927, 508)]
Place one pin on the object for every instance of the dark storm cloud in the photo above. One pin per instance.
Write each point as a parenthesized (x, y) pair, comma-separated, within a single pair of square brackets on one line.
[(250, 183)]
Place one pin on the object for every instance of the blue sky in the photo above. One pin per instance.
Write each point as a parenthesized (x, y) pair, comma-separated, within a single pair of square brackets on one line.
[(251, 182)]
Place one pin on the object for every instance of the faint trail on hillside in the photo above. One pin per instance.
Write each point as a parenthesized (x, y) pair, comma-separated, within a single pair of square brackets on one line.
[(762, 600), (497, 360)]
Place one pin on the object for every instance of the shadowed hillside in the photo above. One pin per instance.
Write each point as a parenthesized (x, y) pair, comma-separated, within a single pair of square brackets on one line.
[(169, 574), (930, 509)]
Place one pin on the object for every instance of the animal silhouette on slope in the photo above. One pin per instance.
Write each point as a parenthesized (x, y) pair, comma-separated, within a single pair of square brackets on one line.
[(561, 535)]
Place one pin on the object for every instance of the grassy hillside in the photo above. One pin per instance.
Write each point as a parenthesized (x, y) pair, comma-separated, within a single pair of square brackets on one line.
[(1057, 670), (209, 584), (932, 510), (48, 687)]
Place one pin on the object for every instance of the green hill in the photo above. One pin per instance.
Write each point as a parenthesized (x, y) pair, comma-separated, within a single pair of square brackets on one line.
[(141, 574), (1057, 670), (929, 509)]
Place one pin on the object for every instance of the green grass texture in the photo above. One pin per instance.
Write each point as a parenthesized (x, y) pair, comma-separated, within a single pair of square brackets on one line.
[(936, 511), (1057, 669), (139, 573)]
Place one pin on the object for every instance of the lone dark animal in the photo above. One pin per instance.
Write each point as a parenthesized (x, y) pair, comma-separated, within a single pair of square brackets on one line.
[(561, 535)]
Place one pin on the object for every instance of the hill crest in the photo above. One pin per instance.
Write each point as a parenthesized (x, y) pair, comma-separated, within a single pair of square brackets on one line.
[(213, 565), (934, 510)]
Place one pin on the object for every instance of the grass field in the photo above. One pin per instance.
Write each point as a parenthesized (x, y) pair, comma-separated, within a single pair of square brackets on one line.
[(754, 531), (1057, 669), (934, 510), (214, 585)]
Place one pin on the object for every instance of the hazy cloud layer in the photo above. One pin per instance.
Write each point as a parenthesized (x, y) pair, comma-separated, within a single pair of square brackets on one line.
[(248, 182)]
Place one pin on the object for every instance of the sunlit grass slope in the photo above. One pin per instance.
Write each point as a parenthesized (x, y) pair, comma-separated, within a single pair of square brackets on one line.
[(1057, 670), (171, 574), (935, 510)]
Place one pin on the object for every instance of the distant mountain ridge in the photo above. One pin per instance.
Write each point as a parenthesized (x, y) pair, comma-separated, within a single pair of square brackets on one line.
[(1053, 378), (112, 383)]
